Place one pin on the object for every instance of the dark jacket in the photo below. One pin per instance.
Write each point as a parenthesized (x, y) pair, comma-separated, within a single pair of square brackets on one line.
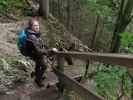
[(34, 46)]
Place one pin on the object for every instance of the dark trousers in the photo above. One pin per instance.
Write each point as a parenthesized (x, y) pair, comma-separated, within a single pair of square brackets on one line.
[(40, 63), (40, 68)]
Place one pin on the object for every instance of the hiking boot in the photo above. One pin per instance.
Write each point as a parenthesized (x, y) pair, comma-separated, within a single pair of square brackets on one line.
[(39, 83), (32, 74)]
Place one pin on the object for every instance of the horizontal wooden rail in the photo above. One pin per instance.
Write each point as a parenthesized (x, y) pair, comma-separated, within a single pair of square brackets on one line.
[(109, 58), (71, 84)]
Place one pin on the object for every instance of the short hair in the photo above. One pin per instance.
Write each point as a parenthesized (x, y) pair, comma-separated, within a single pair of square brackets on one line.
[(32, 20)]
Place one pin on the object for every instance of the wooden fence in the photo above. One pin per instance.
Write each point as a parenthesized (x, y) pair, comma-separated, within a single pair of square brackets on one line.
[(69, 83)]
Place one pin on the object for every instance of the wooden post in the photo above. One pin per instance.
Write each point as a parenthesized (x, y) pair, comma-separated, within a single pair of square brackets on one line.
[(86, 68), (44, 8), (85, 76), (60, 67)]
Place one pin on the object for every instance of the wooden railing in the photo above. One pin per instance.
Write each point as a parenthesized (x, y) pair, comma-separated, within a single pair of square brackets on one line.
[(108, 58)]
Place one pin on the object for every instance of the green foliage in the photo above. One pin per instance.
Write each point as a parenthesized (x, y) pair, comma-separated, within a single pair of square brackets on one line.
[(14, 71), (101, 7), (109, 80), (127, 41), (12, 6), (106, 9)]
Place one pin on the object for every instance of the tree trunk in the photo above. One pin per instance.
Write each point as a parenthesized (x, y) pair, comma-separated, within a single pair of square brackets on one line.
[(68, 13), (123, 19), (95, 32), (44, 8)]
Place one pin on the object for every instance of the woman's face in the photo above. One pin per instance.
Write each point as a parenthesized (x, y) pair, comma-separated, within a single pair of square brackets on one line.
[(35, 26)]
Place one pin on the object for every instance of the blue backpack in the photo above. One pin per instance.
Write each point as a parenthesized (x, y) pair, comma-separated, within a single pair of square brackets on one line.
[(22, 38)]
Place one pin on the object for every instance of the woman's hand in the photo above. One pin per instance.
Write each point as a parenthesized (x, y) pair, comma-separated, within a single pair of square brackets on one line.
[(54, 50)]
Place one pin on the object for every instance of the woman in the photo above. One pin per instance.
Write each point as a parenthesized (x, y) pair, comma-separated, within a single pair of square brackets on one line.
[(36, 50)]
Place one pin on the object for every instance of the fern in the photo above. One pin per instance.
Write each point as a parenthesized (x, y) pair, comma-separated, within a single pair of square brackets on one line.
[(12, 6), (127, 41), (108, 80)]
